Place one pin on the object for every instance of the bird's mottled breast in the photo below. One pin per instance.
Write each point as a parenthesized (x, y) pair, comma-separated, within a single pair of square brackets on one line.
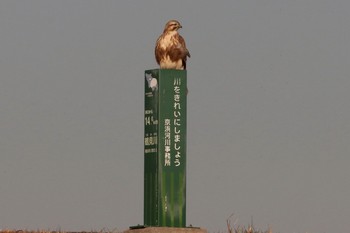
[(168, 39)]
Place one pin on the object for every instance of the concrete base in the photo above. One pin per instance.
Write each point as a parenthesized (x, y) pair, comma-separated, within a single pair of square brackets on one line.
[(167, 230)]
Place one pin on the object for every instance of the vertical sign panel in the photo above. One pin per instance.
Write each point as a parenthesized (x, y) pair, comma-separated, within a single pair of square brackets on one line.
[(165, 148), (151, 186)]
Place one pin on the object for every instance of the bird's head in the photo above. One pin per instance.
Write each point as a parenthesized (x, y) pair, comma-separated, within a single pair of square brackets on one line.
[(172, 25)]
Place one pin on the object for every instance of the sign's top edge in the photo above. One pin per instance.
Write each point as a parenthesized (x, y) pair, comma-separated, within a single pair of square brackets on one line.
[(166, 70)]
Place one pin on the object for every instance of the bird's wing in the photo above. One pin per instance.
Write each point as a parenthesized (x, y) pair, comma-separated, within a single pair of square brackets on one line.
[(183, 46), (158, 51)]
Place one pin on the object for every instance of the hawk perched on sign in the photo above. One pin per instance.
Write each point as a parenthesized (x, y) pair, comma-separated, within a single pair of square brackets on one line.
[(171, 51)]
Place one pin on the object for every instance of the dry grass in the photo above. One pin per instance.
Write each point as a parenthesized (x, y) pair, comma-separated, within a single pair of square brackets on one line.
[(241, 229)]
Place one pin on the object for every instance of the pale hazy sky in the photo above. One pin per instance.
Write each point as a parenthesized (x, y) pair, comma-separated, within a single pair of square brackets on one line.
[(268, 112)]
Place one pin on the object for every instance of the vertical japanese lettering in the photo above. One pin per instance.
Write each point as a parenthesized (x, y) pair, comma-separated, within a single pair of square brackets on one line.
[(177, 121), (167, 143)]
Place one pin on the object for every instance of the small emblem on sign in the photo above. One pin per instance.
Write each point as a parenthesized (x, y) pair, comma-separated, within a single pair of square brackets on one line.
[(152, 82)]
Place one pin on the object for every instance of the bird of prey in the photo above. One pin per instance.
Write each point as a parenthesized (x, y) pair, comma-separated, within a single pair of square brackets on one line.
[(171, 51)]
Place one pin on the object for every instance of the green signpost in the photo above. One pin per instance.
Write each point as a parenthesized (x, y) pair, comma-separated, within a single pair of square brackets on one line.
[(165, 148)]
